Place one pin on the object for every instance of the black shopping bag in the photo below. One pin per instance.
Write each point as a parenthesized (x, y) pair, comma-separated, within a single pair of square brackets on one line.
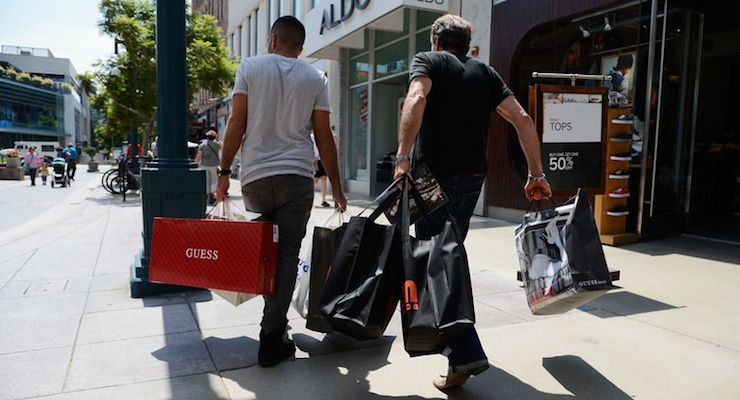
[(324, 246), (561, 257), (362, 286), (437, 295)]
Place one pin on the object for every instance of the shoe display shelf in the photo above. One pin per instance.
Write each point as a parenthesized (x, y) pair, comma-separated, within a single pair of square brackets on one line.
[(611, 208)]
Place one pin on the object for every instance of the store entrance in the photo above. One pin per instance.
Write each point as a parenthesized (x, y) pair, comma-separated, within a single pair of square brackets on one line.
[(714, 211), (690, 169)]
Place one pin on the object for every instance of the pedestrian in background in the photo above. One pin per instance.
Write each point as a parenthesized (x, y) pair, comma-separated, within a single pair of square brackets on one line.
[(44, 171), (320, 174), (72, 157), (208, 159), (446, 116), (32, 160), (280, 97)]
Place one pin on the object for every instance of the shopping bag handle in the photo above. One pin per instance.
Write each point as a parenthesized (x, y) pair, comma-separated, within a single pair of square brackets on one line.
[(336, 218), (384, 200)]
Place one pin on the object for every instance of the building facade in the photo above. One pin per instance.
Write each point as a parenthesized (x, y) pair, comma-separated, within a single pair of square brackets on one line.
[(681, 172), (32, 111)]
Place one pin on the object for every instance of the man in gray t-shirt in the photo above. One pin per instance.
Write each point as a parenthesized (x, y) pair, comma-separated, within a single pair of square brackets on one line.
[(276, 100)]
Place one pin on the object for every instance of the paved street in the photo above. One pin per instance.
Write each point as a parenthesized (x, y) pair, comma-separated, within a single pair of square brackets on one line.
[(71, 331)]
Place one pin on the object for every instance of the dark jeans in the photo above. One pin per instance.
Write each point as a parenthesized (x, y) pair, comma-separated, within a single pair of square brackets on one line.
[(286, 200), (71, 168), (465, 350), (32, 174)]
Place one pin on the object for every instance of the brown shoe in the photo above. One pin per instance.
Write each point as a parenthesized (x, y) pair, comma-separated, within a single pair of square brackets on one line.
[(457, 378)]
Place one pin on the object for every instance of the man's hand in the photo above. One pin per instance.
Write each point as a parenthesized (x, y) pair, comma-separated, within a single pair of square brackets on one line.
[(537, 190), (222, 188)]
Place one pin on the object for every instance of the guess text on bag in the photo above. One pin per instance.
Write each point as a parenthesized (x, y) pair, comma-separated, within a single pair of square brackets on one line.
[(201, 254)]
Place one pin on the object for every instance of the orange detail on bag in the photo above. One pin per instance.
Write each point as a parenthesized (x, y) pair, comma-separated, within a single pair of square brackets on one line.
[(410, 296), (238, 256)]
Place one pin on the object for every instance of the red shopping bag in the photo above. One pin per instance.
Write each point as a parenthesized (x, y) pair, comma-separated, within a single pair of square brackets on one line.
[(238, 256)]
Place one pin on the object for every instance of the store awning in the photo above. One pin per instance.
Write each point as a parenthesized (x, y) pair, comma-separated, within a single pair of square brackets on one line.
[(335, 24)]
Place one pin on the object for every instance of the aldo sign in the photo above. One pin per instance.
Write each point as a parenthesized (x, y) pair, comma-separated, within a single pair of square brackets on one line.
[(346, 9)]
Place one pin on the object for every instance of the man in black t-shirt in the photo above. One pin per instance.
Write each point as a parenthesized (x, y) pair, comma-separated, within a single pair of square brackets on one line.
[(446, 116)]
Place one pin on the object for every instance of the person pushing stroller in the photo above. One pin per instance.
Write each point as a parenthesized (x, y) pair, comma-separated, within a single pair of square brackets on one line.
[(59, 166)]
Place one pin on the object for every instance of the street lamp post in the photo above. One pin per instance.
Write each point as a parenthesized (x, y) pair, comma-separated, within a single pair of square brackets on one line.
[(172, 184)]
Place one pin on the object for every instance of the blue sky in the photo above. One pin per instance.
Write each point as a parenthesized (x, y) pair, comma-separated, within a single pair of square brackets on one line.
[(67, 28)]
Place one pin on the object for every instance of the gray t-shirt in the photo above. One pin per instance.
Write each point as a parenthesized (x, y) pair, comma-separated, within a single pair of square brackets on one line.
[(282, 94), (209, 149)]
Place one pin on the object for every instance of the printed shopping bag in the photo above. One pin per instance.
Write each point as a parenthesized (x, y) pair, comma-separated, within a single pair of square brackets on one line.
[(437, 295), (428, 192), (222, 210), (239, 256), (362, 286), (561, 257), (310, 286)]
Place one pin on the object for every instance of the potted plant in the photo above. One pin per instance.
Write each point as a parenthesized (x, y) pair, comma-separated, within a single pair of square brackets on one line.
[(92, 165)]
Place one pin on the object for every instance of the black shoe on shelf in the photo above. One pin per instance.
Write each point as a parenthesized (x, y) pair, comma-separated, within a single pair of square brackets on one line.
[(274, 347)]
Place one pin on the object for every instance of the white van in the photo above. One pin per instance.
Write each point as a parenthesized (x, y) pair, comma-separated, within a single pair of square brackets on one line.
[(42, 148)]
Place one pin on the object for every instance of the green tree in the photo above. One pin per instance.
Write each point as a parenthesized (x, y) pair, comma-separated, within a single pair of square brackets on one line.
[(127, 82)]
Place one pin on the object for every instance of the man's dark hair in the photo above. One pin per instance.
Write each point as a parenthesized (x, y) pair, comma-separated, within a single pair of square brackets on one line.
[(624, 61), (452, 32), (290, 31)]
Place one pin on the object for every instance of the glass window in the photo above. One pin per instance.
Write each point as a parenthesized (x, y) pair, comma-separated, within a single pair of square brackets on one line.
[(426, 18), (297, 8), (255, 39), (314, 3), (422, 41), (392, 59), (359, 70), (357, 136), (270, 14)]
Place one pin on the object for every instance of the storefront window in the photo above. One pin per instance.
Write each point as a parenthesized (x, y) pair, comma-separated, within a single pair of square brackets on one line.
[(422, 41), (425, 19), (359, 69), (392, 60), (358, 118)]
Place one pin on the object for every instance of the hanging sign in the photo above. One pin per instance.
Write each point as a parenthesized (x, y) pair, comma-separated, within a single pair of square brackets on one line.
[(571, 120)]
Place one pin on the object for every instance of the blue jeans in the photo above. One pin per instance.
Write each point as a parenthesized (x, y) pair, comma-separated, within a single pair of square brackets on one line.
[(286, 200), (464, 351)]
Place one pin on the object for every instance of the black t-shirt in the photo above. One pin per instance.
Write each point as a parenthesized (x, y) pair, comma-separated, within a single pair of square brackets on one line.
[(453, 138)]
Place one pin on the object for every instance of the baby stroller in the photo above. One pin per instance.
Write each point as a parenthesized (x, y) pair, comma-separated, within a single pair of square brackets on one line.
[(59, 167)]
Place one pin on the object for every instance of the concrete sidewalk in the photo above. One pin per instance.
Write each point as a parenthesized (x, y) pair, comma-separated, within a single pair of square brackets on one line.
[(70, 329)]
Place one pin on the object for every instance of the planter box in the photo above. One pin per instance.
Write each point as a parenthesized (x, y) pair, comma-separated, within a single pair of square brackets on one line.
[(12, 173), (13, 162)]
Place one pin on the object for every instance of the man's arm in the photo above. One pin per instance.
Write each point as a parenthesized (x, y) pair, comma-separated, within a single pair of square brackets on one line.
[(412, 113), (529, 140), (235, 127), (325, 142)]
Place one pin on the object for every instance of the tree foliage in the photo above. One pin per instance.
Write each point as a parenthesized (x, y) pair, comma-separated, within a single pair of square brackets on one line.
[(127, 82)]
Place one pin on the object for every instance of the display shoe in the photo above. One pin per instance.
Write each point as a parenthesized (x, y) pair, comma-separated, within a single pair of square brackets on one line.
[(620, 192), (621, 157), (620, 174), (274, 347), (618, 211), (455, 379)]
